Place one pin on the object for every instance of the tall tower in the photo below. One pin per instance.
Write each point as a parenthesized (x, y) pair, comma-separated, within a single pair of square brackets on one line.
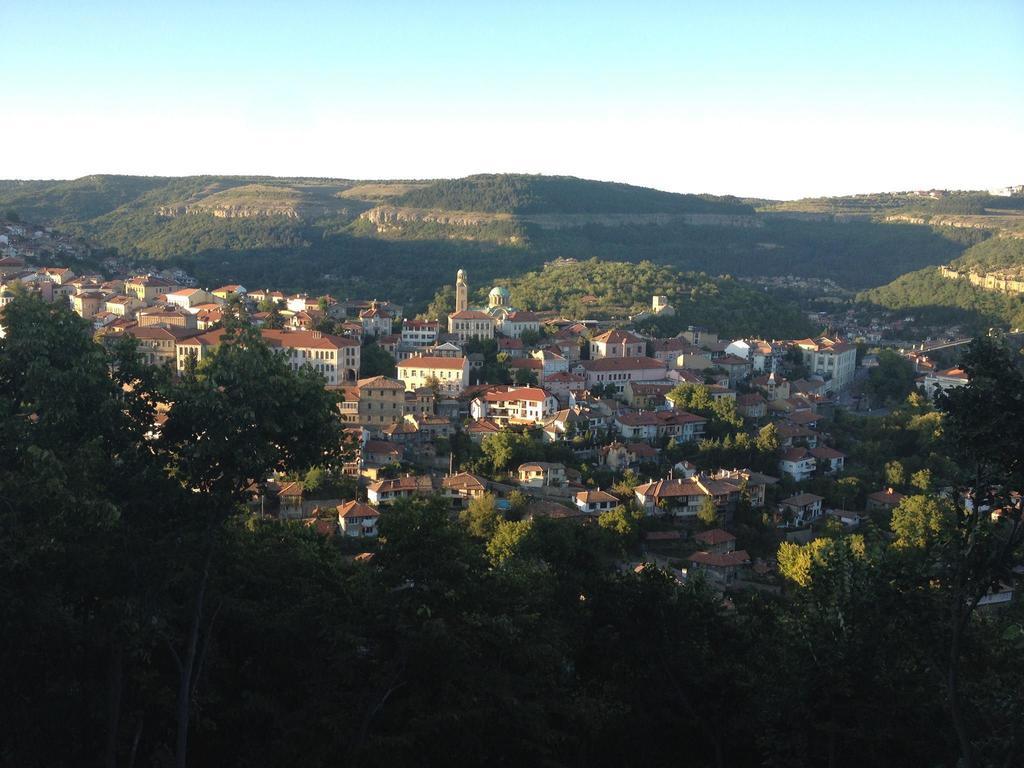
[(461, 292)]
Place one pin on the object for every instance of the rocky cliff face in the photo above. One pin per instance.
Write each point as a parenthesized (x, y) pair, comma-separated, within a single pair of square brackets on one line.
[(223, 211), (386, 216)]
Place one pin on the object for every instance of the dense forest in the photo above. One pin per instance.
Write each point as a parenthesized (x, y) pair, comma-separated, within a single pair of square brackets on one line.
[(516, 193), (151, 619), (306, 234)]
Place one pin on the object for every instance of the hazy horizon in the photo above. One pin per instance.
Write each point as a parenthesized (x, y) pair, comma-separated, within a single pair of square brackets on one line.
[(1008, 183)]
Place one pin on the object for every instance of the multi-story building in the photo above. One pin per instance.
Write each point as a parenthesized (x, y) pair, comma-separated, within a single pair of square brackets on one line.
[(832, 359), (374, 402), (420, 333), (619, 371), (157, 345), (334, 357), (522, 405), (798, 463), (471, 324), (190, 299), (87, 303), (617, 344), (515, 323), (449, 374), (164, 314), (376, 320), (146, 288)]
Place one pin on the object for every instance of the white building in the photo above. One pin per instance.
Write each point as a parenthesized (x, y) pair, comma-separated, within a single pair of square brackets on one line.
[(449, 374)]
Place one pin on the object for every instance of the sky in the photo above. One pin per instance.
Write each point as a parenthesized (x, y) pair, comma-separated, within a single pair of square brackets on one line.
[(767, 99)]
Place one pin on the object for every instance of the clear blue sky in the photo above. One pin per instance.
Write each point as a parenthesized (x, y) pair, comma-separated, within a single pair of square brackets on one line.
[(774, 99)]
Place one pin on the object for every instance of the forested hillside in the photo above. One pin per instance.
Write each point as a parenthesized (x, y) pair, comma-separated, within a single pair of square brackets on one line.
[(404, 239), (608, 289), (515, 193), (938, 299)]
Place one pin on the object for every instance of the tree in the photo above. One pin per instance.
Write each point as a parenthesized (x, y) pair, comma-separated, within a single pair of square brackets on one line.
[(507, 540), (481, 516), (242, 415), (921, 521), (707, 513), (691, 397), (892, 379), (517, 502), (895, 475), (505, 449), (922, 480), (524, 377), (991, 459), (768, 439), (374, 361)]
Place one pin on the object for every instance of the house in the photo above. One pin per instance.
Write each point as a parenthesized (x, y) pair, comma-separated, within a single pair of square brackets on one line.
[(793, 434), (225, 292), (721, 568), (619, 371), (752, 406), (566, 424), (146, 288), (831, 358), (388, 491), (463, 487), (678, 497), (512, 348), (944, 380), (449, 374), (619, 456), (381, 452), (538, 474), (122, 306), (478, 430), (884, 501), (737, 368), (289, 495), (673, 352), (376, 320), (552, 363), (357, 520), (800, 509), (828, 460), (87, 303), (617, 344), (774, 387), (515, 405), (648, 395), (680, 426), (190, 299), (565, 386), (798, 463), (595, 502), (471, 324), (716, 541)]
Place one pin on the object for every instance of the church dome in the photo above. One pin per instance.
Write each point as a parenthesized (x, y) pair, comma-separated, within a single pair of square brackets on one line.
[(498, 297)]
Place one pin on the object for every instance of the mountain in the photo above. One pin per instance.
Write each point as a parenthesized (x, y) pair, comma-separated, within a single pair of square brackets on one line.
[(404, 238)]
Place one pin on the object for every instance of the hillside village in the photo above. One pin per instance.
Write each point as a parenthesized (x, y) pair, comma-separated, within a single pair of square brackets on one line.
[(715, 449)]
